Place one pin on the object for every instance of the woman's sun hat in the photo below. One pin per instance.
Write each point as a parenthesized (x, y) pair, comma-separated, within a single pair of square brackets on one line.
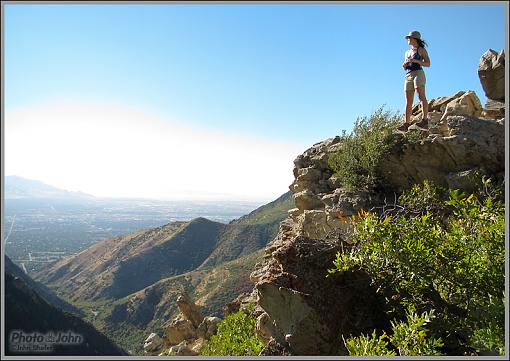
[(413, 34)]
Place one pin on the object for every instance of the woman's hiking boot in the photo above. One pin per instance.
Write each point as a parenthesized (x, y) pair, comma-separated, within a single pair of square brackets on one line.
[(403, 128), (422, 125)]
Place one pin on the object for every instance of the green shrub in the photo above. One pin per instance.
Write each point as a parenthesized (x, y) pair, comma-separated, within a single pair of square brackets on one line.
[(454, 265), (410, 338), (358, 159), (236, 336), (368, 346)]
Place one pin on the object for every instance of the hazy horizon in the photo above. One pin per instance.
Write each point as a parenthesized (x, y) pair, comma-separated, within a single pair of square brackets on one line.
[(213, 197)]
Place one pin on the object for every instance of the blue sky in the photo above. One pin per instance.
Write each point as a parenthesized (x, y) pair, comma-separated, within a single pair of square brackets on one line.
[(286, 73)]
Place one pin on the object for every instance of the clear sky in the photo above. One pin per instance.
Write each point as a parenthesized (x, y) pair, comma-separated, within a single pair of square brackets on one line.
[(214, 101)]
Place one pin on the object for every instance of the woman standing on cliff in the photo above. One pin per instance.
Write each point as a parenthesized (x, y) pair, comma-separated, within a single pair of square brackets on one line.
[(415, 58)]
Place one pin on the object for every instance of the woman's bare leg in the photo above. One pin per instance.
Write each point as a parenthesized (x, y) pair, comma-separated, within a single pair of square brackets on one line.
[(424, 102), (409, 104)]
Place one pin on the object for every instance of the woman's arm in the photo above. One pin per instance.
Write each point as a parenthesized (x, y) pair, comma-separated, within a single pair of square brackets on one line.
[(425, 61)]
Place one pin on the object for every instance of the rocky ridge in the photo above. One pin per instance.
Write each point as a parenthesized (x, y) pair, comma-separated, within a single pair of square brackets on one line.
[(305, 312)]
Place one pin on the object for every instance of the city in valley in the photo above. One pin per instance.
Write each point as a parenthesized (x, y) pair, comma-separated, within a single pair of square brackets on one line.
[(39, 231)]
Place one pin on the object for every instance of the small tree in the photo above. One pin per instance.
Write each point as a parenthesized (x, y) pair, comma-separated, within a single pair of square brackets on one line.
[(357, 161)]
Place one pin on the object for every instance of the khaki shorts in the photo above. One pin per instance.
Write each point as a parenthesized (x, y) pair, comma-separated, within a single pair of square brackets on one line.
[(414, 79)]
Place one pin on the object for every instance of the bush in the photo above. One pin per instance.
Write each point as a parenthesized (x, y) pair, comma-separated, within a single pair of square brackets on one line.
[(358, 159), (236, 336), (454, 265), (409, 338)]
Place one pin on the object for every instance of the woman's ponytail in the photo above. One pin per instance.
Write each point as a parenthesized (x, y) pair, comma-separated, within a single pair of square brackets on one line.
[(421, 43)]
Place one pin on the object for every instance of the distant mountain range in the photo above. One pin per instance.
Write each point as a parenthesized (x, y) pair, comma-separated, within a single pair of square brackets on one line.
[(28, 315), (20, 188)]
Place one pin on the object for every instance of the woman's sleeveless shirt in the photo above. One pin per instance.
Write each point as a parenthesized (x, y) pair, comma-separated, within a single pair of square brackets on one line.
[(413, 66)]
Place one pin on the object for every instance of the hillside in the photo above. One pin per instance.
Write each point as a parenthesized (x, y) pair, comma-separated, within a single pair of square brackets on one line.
[(254, 229), (43, 291), (131, 319), (119, 266), (28, 313)]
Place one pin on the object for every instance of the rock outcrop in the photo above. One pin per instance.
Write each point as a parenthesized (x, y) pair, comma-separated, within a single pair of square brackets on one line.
[(491, 71), (186, 334), (305, 312)]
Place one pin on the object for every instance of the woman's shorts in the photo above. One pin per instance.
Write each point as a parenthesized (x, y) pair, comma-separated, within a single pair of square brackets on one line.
[(414, 79)]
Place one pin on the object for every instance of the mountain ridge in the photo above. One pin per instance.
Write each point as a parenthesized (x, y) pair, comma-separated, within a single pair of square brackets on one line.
[(16, 187)]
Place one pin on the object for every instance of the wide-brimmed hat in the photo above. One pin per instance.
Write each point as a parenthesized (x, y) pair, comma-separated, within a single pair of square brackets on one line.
[(413, 34)]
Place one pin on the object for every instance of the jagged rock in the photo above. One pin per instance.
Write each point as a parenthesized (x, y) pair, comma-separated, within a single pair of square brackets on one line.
[(182, 349), (273, 348), (491, 71), (265, 328), (242, 302), (233, 306), (307, 200), (208, 327), (467, 104), (178, 330), (197, 345), (189, 309), (153, 343), (493, 110)]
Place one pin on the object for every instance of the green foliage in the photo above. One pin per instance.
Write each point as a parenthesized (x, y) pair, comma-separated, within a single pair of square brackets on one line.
[(236, 336), (455, 265), (409, 338), (424, 198), (368, 346), (358, 159)]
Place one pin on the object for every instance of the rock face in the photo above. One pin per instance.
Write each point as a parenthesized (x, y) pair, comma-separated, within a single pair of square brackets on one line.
[(305, 312), (491, 71)]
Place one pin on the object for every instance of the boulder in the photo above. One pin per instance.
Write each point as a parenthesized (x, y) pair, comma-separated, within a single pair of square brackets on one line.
[(178, 330), (491, 71), (467, 104), (189, 309), (152, 343), (197, 345), (208, 327), (182, 349)]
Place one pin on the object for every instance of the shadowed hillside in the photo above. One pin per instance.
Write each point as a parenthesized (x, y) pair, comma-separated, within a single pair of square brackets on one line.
[(28, 313)]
